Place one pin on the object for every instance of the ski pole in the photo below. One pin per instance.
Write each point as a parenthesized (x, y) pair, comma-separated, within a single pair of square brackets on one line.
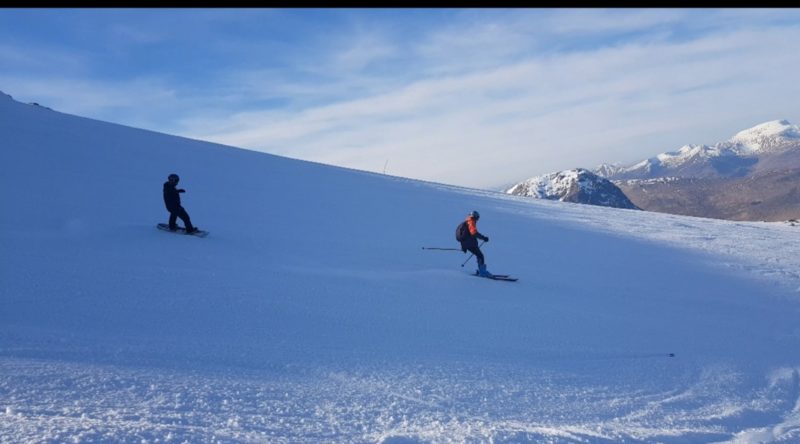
[(471, 254), (437, 248)]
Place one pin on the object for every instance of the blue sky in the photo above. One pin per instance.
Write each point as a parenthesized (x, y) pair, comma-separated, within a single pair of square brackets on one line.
[(474, 97)]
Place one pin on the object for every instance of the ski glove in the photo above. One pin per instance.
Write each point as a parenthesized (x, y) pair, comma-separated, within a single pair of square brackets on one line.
[(485, 239), (181, 190)]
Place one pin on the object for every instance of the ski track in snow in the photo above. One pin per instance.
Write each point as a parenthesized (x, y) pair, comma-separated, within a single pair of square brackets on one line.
[(63, 402), (449, 400)]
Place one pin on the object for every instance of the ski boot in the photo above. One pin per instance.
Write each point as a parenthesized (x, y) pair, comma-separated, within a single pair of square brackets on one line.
[(482, 271)]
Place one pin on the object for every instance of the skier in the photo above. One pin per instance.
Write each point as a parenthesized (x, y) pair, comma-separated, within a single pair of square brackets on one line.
[(467, 233), (172, 200)]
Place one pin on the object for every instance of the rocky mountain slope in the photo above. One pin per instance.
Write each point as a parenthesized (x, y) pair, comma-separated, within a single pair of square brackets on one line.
[(577, 186), (752, 176)]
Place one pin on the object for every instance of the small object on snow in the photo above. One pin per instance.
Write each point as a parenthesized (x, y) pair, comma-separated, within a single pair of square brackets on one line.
[(497, 277), (180, 230)]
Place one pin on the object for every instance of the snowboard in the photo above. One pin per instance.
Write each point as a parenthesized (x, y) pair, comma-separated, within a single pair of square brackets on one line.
[(181, 230)]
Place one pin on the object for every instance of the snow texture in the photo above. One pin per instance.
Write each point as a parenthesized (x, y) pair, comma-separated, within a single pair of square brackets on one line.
[(312, 314)]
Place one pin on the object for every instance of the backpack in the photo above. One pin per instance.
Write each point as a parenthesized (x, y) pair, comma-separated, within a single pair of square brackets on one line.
[(462, 232)]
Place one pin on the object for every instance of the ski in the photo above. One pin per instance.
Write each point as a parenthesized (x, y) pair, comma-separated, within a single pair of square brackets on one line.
[(503, 278), (497, 277)]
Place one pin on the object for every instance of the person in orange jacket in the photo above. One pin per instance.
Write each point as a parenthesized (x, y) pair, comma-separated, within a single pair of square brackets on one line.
[(467, 233)]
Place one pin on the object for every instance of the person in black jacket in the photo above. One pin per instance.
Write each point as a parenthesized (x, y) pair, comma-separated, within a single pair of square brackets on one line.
[(172, 200)]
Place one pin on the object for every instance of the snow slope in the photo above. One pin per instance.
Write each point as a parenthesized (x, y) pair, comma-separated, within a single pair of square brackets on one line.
[(312, 314)]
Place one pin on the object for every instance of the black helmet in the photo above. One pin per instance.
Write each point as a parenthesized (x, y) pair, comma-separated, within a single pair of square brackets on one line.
[(475, 214), (173, 176)]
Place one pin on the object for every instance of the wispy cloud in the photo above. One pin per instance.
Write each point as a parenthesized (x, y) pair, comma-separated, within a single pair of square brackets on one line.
[(124, 33), (109, 101), (34, 58), (472, 97), (540, 114), (584, 22)]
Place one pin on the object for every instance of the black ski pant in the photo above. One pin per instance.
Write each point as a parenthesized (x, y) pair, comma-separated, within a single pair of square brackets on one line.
[(474, 249), (175, 214)]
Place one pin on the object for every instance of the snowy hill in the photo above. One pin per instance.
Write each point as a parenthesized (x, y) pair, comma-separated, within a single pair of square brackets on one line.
[(312, 314), (577, 186)]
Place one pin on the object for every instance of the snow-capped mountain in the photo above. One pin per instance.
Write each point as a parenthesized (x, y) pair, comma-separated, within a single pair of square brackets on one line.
[(746, 152), (769, 137), (578, 186), (607, 170), (750, 176)]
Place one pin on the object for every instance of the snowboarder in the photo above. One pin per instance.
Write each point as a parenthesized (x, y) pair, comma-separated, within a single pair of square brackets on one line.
[(172, 200), (467, 233)]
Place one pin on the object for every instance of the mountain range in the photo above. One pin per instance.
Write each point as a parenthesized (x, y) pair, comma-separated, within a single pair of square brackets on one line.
[(752, 176)]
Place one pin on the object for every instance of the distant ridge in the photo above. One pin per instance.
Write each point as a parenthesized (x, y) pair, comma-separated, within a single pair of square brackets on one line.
[(752, 176)]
